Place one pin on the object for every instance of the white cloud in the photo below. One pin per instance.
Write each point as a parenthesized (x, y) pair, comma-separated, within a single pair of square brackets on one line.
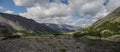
[(101, 14), (53, 10), (30, 2), (113, 4), (23, 2), (56, 20), (83, 22), (56, 12), (91, 9), (86, 6), (1, 7), (9, 11)]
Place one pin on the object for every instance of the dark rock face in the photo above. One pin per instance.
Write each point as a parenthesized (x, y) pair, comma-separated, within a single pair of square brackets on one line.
[(4, 26)]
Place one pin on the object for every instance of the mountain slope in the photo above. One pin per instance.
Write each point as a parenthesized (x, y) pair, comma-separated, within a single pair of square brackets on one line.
[(112, 16), (19, 23), (108, 26), (63, 27), (110, 22)]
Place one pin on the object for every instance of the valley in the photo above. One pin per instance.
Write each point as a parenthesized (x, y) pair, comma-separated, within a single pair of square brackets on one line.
[(19, 34)]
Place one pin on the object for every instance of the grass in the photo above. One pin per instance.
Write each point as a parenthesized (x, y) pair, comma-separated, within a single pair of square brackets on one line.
[(70, 33), (41, 36), (63, 50), (93, 42), (117, 35), (1, 38), (108, 38)]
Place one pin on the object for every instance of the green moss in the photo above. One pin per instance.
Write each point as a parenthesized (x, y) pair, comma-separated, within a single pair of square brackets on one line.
[(63, 50)]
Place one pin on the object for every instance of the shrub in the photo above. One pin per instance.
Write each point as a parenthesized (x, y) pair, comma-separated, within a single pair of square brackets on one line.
[(106, 33), (5, 32), (79, 34), (8, 34), (63, 50), (12, 37), (57, 34)]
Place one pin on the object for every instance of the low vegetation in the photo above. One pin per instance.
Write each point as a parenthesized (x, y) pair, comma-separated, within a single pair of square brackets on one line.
[(7, 34), (106, 27), (63, 50), (102, 30)]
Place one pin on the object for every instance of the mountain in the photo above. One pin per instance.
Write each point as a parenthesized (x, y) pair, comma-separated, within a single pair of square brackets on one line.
[(63, 27), (19, 23), (108, 26), (110, 22)]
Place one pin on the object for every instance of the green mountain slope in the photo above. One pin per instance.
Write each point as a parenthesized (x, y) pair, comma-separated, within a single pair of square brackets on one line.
[(111, 23), (113, 17), (108, 26)]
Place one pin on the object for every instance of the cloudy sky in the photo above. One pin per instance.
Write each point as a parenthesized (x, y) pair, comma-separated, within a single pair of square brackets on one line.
[(73, 12)]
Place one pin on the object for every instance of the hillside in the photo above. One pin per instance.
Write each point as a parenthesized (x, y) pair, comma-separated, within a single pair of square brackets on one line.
[(108, 26), (111, 21), (22, 24)]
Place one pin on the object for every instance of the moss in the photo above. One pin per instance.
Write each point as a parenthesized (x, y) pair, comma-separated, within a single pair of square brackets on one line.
[(63, 50)]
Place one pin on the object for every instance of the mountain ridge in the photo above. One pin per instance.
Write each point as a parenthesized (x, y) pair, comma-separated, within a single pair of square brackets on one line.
[(63, 27), (20, 23)]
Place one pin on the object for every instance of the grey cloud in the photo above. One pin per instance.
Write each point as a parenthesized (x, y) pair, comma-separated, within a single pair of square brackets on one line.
[(43, 11)]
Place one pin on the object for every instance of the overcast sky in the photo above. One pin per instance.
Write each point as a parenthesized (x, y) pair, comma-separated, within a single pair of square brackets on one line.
[(73, 12)]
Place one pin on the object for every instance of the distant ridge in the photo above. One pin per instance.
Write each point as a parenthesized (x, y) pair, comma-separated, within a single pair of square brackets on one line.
[(63, 27)]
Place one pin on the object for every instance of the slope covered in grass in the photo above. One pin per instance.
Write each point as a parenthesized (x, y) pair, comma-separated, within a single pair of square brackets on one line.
[(108, 26)]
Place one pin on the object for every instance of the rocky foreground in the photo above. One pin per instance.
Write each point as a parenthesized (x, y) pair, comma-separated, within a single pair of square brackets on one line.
[(58, 44)]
